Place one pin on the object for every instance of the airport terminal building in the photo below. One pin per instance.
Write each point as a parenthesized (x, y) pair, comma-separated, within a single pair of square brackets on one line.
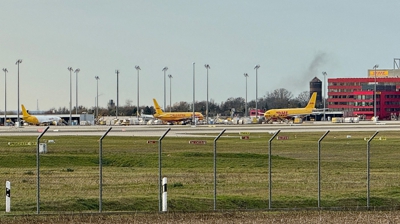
[(355, 96)]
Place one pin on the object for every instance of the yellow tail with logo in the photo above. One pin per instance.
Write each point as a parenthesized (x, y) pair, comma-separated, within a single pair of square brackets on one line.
[(313, 99), (24, 111), (158, 108)]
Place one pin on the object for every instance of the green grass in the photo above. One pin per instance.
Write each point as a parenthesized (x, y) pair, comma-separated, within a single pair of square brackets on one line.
[(70, 172)]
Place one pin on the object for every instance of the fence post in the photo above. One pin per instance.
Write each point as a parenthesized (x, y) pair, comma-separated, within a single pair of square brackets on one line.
[(101, 169), (215, 168), (270, 167), (165, 195), (319, 167), (8, 196), (159, 170), (38, 169), (368, 166)]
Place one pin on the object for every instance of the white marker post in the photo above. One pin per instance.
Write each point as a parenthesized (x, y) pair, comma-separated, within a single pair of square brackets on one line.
[(164, 195), (8, 196)]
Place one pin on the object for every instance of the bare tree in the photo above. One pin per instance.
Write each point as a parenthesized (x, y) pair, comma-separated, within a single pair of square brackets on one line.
[(181, 107), (149, 110), (128, 103), (302, 99), (279, 98), (237, 103)]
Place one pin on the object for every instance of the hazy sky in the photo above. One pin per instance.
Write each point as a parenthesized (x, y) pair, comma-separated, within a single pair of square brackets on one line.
[(293, 41)]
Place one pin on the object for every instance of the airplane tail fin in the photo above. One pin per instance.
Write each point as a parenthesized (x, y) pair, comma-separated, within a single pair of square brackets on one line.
[(158, 108), (311, 103), (24, 111)]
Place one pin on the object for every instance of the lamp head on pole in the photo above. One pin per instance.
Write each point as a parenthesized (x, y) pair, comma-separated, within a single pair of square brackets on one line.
[(97, 78), (256, 67), (137, 67), (117, 71), (170, 76), (324, 73), (18, 61), (376, 66), (77, 70), (246, 75), (207, 66), (5, 70), (70, 69), (165, 69)]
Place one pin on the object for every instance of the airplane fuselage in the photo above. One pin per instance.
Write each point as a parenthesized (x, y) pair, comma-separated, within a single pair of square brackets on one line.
[(174, 116), (177, 116), (41, 119), (287, 113)]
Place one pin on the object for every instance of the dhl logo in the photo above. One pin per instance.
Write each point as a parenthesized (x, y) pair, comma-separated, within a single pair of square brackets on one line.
[(178, 115), (379, 73), (282, 113), (183, 115)]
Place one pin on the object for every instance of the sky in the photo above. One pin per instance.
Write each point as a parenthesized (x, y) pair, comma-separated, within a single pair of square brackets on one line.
[(292, 41)]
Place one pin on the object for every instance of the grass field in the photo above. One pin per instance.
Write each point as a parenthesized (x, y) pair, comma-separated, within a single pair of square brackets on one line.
[(295, 217), (70, 173)]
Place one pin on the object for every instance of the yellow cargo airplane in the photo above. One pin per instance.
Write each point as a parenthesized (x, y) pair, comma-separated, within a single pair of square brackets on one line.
[(288, 113), (39, 119), (184, 117)]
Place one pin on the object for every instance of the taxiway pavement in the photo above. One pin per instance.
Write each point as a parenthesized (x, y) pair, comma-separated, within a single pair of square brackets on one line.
[(185, 130)]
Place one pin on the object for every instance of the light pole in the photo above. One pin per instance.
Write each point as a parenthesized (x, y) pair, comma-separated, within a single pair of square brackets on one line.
[(245, 105), (164, 70), (170, 91), (137, 110), (97, 96), (324, 74), (194, 84), (375, 67), (116, 109), (5, 96), (207, 67), (256, 68), (70, 69), (19, 61), (76, 72)]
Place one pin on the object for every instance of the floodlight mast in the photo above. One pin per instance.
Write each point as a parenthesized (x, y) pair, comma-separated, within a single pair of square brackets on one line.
[(5, 96), (245, 105), (194, 86), (170, 91), (207, 66), (256, 68), (70, 69), (76, 72), (375, 67), (164, 70), (137, 110), (116, 109), (324, 74), (97, 96), (19, 61)]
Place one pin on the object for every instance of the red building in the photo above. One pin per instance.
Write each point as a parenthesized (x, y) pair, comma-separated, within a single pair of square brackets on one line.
[(355, 96)]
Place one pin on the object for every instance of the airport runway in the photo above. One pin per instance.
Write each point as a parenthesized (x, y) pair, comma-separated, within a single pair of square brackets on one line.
[(185, 130)]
